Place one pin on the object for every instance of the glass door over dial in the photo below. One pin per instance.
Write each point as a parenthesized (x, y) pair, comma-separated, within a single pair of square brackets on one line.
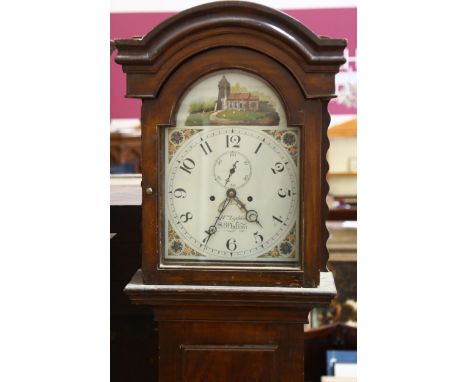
[(232, 186)]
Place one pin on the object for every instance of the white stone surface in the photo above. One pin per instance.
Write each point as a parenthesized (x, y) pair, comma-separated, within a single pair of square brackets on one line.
[(327, 286), (125, 190)]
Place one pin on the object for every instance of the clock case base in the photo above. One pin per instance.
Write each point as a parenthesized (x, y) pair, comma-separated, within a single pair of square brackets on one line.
[(230, 333)]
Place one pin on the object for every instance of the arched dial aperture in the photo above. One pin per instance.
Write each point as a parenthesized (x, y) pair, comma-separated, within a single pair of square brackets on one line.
[(232, 193)]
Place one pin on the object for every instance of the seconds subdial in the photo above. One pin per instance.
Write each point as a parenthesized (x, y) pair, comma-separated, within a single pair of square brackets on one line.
[(232, 169)]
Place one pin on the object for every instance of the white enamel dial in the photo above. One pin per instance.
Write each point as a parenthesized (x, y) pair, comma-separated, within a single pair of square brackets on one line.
[(231, 195)]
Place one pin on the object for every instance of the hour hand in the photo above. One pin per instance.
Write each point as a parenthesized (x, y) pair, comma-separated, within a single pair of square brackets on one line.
[(250, 215), (240, 204), (212, 229)]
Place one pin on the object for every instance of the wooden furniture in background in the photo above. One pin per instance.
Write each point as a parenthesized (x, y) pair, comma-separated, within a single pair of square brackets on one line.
[(345, 129), (349, 173), (133, 338), (318, 340), (342, 214), (342, 157), (126, 150)]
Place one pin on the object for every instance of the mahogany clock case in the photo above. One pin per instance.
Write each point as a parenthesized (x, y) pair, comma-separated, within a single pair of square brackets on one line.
[(299, 67)]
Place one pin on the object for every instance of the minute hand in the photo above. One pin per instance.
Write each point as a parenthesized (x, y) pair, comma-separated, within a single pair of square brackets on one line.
[(212, 230)]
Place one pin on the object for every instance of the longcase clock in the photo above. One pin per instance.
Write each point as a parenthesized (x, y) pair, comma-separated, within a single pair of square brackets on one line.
[(234, 121), (234, 139)]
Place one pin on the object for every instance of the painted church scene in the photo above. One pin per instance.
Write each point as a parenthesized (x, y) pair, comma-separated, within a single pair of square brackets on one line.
[(234, 105)]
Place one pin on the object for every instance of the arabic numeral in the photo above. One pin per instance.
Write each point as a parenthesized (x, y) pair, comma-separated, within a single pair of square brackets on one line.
[(283, 193), (258, 238), (233, 141), (231, 244), (187, 165), (180, 193), (186, 217), (278, 167)]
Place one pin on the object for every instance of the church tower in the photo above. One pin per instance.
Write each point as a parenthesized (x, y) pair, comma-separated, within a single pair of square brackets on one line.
[(224, 90)]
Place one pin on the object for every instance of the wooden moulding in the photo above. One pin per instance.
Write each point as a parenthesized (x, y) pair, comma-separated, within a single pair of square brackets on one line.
[(297, 64), (230, 303), (230, 333), (150, 60)]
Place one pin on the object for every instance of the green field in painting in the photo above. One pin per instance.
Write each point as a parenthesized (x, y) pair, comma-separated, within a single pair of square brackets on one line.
[(240, 115), (198, 119), (235, 117)]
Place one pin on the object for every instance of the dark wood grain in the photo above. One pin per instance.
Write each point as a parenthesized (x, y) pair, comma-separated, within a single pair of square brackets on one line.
[(342, 214), (325, 142), (221, 362), (230, 326), (160, 113)]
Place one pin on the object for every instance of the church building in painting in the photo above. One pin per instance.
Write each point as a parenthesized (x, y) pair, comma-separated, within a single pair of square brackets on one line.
[(235, 101)]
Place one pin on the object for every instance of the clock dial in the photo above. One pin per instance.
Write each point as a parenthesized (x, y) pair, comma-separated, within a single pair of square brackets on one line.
[(232, 195)]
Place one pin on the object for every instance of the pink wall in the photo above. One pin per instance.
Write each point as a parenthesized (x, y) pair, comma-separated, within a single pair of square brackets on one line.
[(338, 23)]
